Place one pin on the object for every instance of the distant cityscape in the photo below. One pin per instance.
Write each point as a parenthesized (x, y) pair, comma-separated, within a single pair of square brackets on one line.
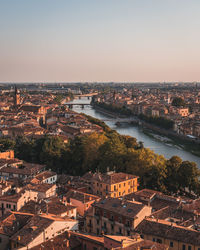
[(69, 181)]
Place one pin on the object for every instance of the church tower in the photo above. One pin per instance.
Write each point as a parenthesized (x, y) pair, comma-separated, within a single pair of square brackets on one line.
[(16, 97)]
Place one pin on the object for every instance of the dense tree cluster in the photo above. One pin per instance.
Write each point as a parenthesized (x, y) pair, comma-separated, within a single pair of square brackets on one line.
[(59, 97), (157, 120), (178, 102), (114, 108), (113, 151)]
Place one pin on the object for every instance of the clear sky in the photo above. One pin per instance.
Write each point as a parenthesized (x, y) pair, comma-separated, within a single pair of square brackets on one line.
[(99, 40)]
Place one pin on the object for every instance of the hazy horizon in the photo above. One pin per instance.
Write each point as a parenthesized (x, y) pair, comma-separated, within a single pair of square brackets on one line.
[(99, 41)]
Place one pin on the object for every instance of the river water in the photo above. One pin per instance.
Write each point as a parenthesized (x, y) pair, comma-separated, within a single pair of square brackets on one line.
[(150, 140)]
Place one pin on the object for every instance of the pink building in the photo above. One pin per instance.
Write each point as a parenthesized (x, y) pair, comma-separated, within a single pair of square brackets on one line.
[(82, 201)]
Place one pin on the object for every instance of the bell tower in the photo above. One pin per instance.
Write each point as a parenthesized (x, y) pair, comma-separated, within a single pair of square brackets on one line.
[(16, 97)]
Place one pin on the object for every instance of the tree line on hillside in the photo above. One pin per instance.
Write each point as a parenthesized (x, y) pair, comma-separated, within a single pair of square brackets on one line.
[(108, 150)]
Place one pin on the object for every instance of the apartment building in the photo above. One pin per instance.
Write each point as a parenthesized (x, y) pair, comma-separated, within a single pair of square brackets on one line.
[(48, 177), (175, 236), (115, 216), (13, 202), (81, 200), (39, 229), (111, 184)]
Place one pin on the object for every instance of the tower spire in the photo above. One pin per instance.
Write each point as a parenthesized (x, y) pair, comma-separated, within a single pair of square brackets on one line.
[(16, 97)]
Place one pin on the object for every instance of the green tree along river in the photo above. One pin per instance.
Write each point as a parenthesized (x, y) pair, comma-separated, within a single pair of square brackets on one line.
[(160, 145)]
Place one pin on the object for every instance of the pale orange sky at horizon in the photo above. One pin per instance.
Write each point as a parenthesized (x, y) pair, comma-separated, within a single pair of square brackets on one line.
[(100, 41)]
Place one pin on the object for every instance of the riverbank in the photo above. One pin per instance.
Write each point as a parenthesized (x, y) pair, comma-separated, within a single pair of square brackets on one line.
[(108, 113), (179, 141)]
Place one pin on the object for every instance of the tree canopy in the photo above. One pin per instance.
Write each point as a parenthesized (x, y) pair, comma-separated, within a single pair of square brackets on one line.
[(99, 151), (178, 102)]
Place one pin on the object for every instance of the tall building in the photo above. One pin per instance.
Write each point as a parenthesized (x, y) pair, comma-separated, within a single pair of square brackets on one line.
[(16, 97)]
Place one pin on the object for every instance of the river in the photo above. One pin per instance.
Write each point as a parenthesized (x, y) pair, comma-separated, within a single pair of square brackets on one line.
[(151, 140)]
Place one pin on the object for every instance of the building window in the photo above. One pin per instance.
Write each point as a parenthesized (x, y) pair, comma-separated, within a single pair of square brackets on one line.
[(120, 219), (153, 239), (112, 227), (159, 241), (128, 232), (119, 193), (119, 185), (104, 214), (124, 184), (97, 231), (189, 248), (120, 230), (97, 184), (106, 187), (97, 222), (183, 247), (14, 207), (171, 244)]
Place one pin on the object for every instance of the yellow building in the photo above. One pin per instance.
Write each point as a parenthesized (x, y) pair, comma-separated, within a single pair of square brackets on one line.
[(111, 184)]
